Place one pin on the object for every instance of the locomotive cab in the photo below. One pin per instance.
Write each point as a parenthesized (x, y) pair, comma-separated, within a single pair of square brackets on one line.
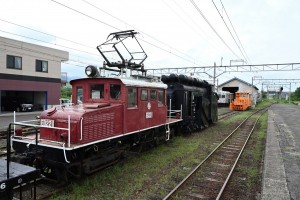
[(106, 108)]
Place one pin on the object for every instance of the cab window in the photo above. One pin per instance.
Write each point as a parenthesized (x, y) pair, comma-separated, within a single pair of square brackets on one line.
[(97, 91), (132, 99), (79, 95), (152, 95), (161, 97), (144, 95), (115, 91)]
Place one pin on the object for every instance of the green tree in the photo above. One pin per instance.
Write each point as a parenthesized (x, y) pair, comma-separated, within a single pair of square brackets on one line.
[(66, 92), (296, 95)]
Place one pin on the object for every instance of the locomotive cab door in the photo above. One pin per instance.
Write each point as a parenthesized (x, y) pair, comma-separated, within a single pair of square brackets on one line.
[(132, 116), (145, 106)]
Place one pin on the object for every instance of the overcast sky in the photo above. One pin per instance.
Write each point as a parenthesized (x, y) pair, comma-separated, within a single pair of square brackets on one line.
[(173, 33)]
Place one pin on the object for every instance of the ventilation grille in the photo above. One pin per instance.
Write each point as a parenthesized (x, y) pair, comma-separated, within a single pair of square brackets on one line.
[(98, 126)]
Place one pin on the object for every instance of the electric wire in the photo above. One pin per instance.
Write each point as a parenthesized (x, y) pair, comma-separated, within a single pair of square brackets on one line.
[(91, 62), (66, 47), (229, 31), (188, 23), (86, 15), (235, 32), (47, 34), (50, 57), (40, 54), (204, 35), (39, 40), (214, 30), (139, 30)]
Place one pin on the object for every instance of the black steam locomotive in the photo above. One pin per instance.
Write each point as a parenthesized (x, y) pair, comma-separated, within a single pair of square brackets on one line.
[(195, 98)]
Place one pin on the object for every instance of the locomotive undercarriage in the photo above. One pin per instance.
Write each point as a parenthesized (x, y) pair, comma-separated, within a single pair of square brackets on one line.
[(89, 159), (82, 161), (151, 138)]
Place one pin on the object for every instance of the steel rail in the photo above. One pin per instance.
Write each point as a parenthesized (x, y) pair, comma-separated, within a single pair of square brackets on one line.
[(237, 159), (227, 114), (207, 157)]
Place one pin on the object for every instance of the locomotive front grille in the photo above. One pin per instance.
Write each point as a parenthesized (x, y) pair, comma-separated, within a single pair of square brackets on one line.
[(97, 127)]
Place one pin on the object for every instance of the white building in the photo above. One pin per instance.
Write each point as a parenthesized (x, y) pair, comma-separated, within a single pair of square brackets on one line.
[(29, 72), (238, 85)]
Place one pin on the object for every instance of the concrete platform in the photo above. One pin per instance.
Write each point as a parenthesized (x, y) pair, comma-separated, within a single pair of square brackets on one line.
[(281, 175)]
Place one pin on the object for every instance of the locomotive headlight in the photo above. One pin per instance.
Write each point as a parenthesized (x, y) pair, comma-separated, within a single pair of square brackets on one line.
[(91, 71), (88, 71)]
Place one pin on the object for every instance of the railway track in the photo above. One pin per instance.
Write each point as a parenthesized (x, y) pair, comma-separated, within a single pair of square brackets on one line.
[(208, 179), (46, 188), (226, 115), (3, 141)]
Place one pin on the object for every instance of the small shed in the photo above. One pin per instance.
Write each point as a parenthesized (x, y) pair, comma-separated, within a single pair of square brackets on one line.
[(238, 85)]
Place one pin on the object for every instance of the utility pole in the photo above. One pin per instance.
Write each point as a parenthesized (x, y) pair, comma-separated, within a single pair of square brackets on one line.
[(214, 78), (290, 93)]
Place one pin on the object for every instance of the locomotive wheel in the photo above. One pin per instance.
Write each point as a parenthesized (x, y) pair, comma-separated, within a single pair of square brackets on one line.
[(49, 172), (56, 174)]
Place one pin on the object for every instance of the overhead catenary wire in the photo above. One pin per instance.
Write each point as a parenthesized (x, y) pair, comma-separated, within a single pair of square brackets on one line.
[(235, 32), (139, 30), (230, 32), (46, 33), (194, 28), (39, 40), (66, 47), (97, 20), (39, 55), (157, 46), (214, 30), (47, 54)]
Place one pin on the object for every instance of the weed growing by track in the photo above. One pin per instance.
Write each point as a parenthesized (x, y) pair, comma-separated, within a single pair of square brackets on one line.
[(246, 180), (152, 174)]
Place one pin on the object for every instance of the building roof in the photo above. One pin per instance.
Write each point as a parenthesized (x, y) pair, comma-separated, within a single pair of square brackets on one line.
[(240, 80)]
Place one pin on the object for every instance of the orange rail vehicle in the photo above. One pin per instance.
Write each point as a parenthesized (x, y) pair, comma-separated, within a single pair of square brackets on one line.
[(241, 102)]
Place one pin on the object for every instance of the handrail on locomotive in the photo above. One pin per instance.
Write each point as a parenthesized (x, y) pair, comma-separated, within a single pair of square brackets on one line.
[(174, 111), (37, 139)]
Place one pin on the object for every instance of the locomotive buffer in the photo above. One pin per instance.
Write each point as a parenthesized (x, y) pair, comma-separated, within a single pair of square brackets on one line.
[(13, 174)]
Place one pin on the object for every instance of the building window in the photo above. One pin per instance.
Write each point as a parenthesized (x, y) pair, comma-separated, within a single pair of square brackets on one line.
[(41, 66), (97, 91), (161, 96), (132, 100), (144, 95), (152, 95), (13, 62)]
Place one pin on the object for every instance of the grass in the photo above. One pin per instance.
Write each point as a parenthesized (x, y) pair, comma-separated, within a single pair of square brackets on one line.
[(123, 179), (255, 152), (153, 173), (250, 165), (148, 174)]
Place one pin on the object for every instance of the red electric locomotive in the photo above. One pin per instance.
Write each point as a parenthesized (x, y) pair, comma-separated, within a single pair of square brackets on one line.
[(109, 115)]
